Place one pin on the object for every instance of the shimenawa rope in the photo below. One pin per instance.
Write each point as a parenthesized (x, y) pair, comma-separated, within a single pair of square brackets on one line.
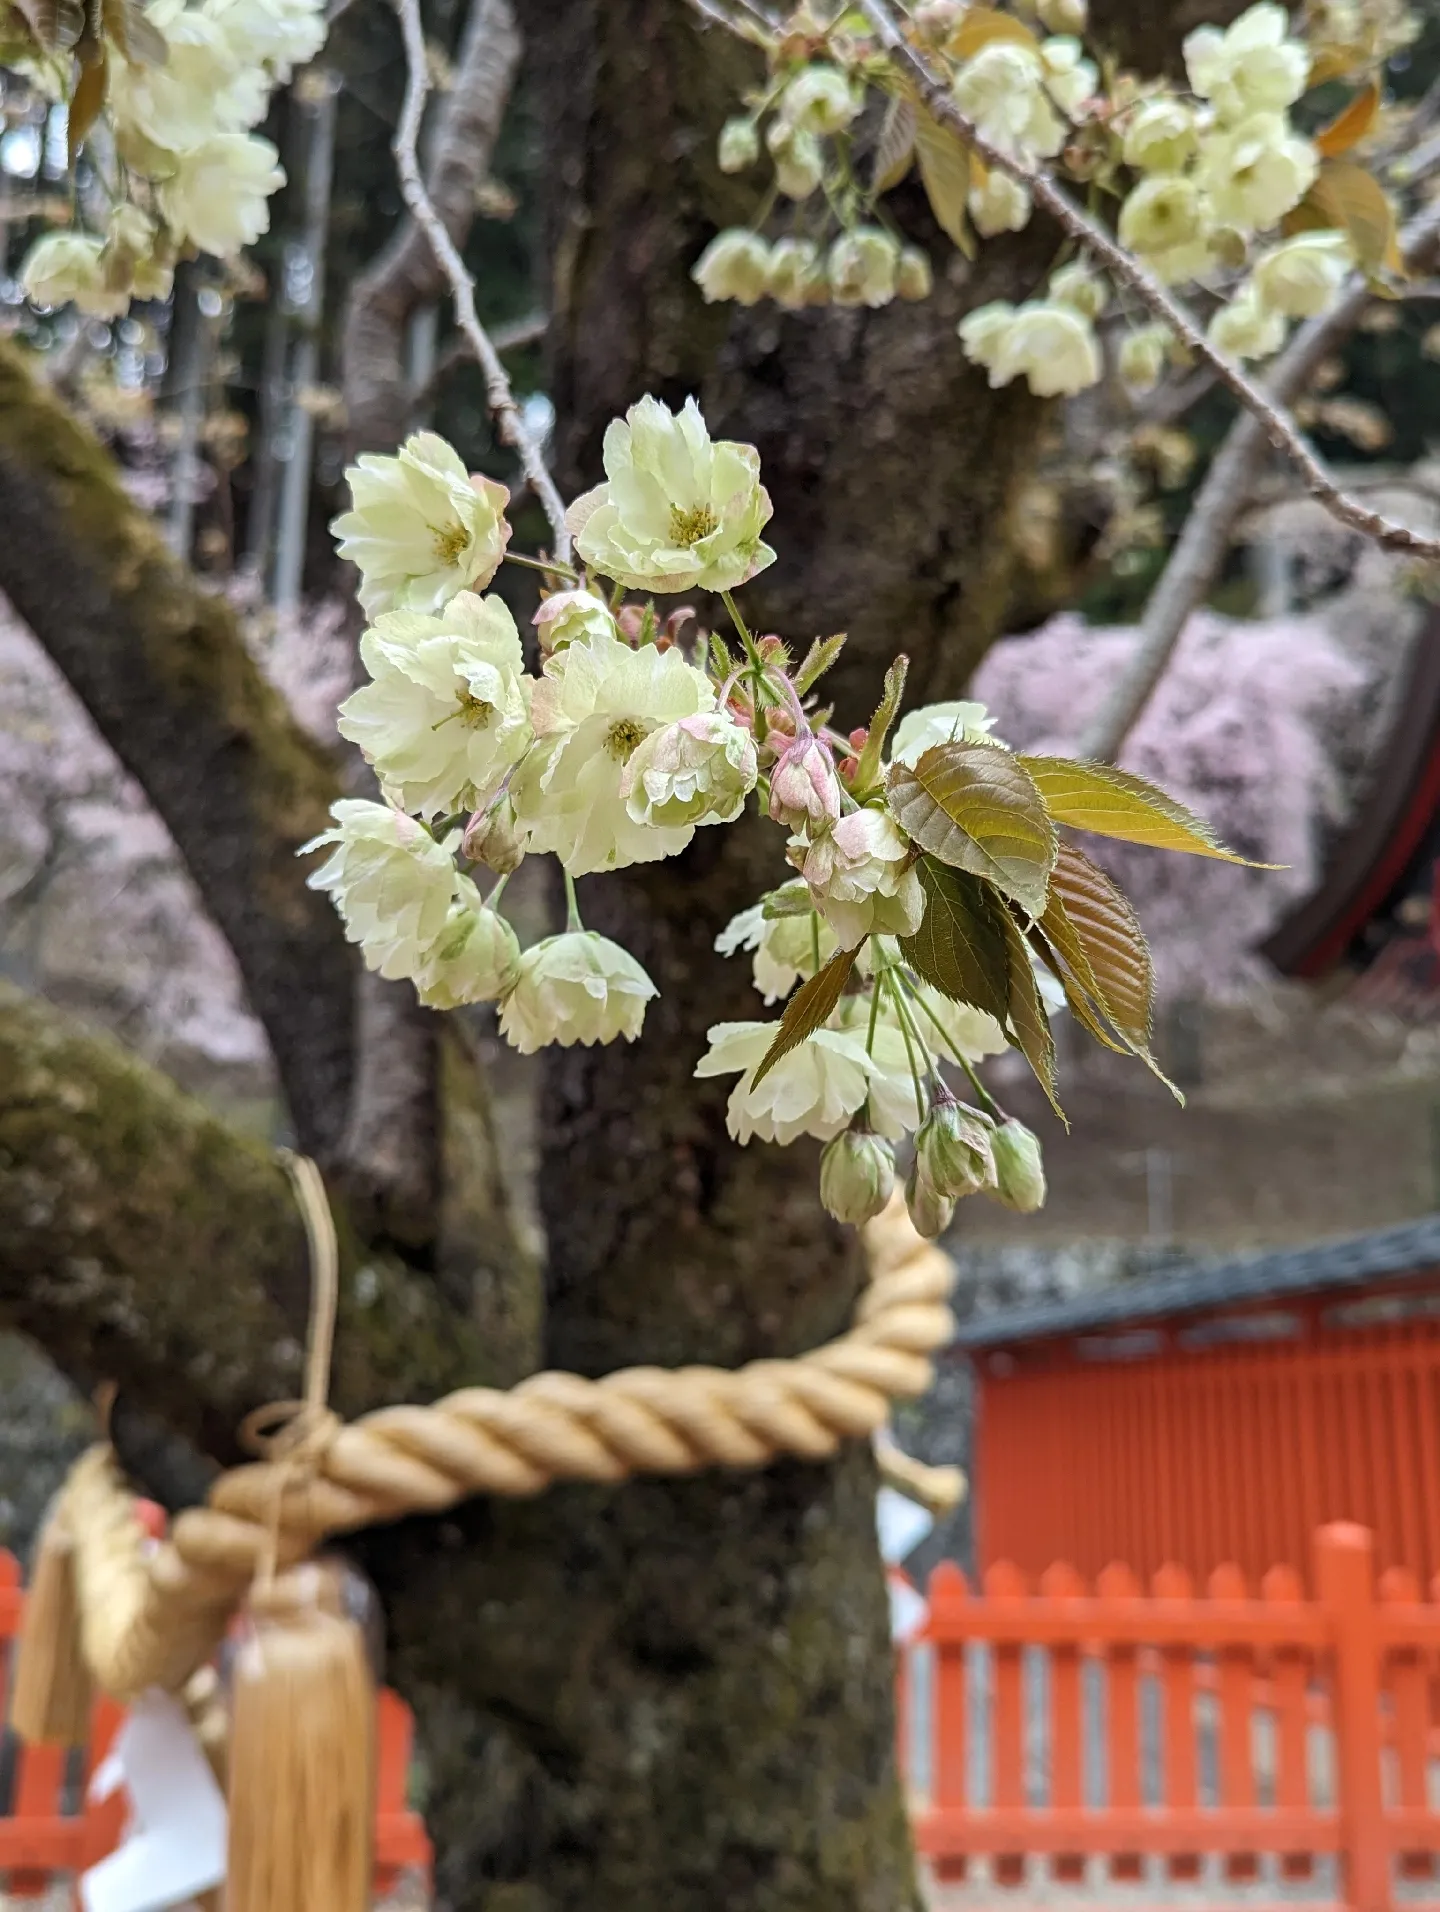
[(152, 1614)]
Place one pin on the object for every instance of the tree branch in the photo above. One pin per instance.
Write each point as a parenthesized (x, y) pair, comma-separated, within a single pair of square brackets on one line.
[(407, 273), (1273, 422), (162, 669), (513, 429), (1200, 550), (145, 1242)]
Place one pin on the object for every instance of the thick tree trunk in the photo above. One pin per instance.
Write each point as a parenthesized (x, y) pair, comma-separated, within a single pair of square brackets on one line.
[(679, 1694)]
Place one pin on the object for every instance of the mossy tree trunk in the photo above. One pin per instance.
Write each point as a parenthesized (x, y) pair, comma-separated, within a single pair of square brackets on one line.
[(671, 1695)]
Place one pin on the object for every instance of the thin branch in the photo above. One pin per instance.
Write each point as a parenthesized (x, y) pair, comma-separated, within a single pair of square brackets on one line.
[(509, 337), (513, 429), (1274, 423), (1200, 550)]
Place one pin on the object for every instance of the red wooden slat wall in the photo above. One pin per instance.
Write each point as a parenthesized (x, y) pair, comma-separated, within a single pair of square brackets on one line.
[(1194, 1456)]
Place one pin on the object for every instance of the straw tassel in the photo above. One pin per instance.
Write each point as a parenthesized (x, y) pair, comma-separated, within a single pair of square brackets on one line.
[(302, 1756), (51, 1691)]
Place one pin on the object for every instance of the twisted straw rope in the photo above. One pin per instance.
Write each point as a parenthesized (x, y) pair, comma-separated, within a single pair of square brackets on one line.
[(152, 1614)]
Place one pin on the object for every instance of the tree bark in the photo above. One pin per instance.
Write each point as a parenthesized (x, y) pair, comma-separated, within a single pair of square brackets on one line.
[(162, 669), (680, 1692), (145, 1242)]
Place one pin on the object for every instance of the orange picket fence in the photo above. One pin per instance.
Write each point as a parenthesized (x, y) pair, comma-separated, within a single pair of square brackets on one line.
[(1178, 1737), (49, 1830)]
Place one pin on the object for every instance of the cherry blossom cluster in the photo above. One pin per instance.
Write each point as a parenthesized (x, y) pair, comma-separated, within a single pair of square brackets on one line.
[(165, 96), (626, 741), (1209, 184)]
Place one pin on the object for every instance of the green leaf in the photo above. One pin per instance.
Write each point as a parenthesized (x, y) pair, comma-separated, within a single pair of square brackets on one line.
[(960, 944), (945, 172), (722, 661), (1110, 802), (1029, 1024), (1098, 936), (895, 148), (867, 771), (808, 1009), (818, 659), (976, 808)]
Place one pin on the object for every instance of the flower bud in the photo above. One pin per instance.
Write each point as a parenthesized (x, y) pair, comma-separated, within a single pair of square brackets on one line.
[(937, 19), (799, 162), (953, 1148), (571, 617), (913, 277), (862, 266), (1063, 16), (1142, 356), (494, 837), (1081, 289), (476, 958), (804, 790), (795, 276), (1019, 1167), (857, 1173), (733, 266), (739, 144), (930, 1212)]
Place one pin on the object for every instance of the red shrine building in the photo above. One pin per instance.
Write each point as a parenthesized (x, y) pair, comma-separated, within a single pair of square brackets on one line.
[(1217, 1414)]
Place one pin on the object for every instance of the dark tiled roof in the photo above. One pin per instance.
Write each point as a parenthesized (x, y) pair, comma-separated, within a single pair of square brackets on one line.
[(1413, 1247)]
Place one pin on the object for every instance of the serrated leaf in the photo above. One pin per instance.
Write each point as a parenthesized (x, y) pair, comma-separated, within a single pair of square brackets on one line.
[(945, 173), (809, 1009), (895, 148), (1351, 198), (818, 659), (56, 24), (960, 944), (1110, 802), (1029, 1025), (1079, 1004), (867, 771), (976, 808), (983, 26), (1098, 936), (86, 101), (1351, 125), (722, 662)]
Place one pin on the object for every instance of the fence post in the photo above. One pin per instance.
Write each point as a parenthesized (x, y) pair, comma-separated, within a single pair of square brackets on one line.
[(1345, 1581)]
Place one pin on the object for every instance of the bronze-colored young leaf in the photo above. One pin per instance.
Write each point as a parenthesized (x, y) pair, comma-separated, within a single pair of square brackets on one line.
[(1097, 935), (983, 26), (895, 148), (56, 24), (808, 1009), (1080, 1005), (1110, 802), (945, 173), (1346, 195), (1351, 124), (867, 771), (960, 944), (1029, 1024), (976, 808), (86, 101)]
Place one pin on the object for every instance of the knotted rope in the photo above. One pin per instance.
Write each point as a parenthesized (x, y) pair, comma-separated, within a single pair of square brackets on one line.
[(153, 1613)]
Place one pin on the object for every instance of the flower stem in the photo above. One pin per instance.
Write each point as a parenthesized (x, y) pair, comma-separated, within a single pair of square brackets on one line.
[(492, 901), (727, 598), (551, 566), (572, 906), (987, 1101), (903, 1015)]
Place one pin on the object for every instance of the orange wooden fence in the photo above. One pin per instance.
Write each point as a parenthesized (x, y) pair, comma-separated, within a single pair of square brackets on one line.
[(1174, 1736), (48, 1828)]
